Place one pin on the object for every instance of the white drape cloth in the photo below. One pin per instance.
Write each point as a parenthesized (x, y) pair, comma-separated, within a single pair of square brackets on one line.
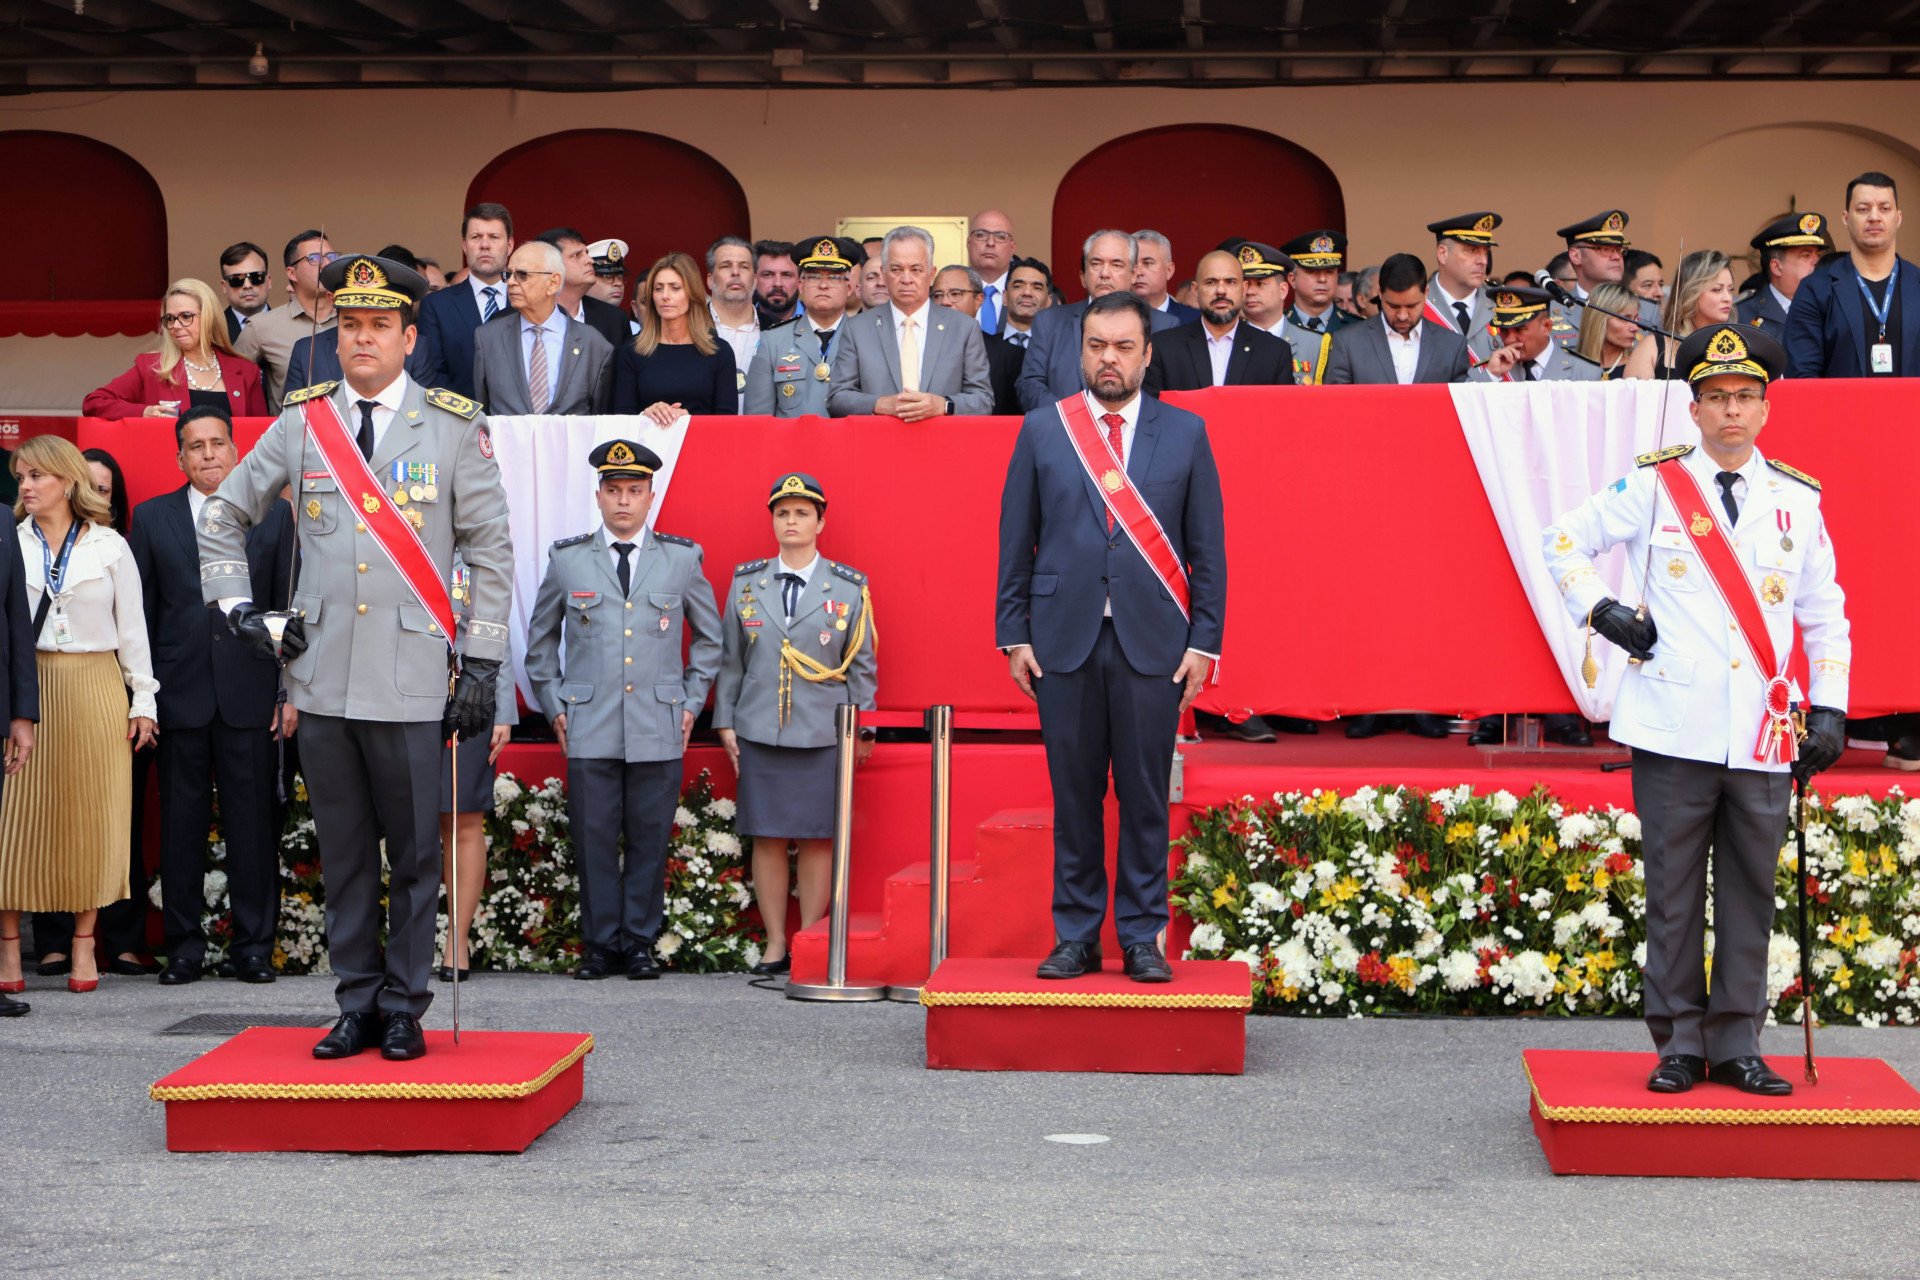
[(543, 463), (1543, 448)]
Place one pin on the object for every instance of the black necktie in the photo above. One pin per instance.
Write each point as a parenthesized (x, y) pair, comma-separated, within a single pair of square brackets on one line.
[(1018, 339), (1460, 309), (625, 570), (826, 339), (365, 438), (1310, 322), (1726, 480), (790, 593)]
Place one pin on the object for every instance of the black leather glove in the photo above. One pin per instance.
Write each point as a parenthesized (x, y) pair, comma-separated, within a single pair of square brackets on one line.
[(1820, 749), (249, 622), (1622, 626), (470, 707)]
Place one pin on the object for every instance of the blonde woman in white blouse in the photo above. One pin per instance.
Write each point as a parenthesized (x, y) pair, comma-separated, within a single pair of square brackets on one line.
[(65, 819)]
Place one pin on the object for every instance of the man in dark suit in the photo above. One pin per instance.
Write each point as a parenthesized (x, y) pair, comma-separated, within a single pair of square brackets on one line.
[(19, 709), (217, 714), (448, 317), (1052, 369), (1402, 346), (1112, 645), (244, 283), (1859, 316), (961, 289), (576, 299), (1217, 350)]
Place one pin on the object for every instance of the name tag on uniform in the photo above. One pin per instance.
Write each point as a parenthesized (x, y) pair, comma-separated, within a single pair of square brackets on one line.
[(586, 595), (1882, 357), (750, 622)]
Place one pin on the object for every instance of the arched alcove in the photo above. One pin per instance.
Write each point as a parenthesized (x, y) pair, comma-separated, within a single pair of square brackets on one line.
[(1197, 184), (656, 194), (93, 227)]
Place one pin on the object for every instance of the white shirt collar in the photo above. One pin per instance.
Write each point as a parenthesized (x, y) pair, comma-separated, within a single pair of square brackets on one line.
[(1225, 339), (752, 324), (1164, 303), (1000, 284), (556, 322), (1442, 290), (1411, 340), (1129, 411), (919, 317), (805, 571), (499, 288), (196, 500), (1786, 303)]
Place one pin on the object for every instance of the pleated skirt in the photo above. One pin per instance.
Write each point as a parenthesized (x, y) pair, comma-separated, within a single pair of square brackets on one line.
[(66, 818)]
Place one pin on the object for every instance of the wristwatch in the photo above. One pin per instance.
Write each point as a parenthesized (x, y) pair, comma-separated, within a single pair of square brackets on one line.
[(949, 403)]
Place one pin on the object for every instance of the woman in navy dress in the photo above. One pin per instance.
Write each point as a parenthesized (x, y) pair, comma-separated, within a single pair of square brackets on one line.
[(678, 364)]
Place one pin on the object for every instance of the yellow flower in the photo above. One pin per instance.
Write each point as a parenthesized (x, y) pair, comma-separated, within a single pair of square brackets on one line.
[(1327, 803), (1575, 883), (1222, 896), (1605, 959), (1403, 968), (1289, 993), (1843, 977), (1601, 880), (1509, 838), (1346, 889), (1460, 831), (1553, 962), (1521, 831), (1888, 866), (1424, 897), (1857, 863), (1549, 846)]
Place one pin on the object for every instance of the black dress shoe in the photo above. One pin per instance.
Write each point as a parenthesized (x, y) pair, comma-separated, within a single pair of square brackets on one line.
[(1486, 732), (1070, 960), (11, 1008), (1295, 725), (402, 1040), (254, 969), (354, 1032), (1252, 729), (600, 964), (228, 968), (445, 973), (766, 967), (1677, 1073), (641, 966), (1566, 731), (125, 968), (1364, 727), (1429, 726), (54, 968), (1144, 963), (1750, 1075), (179, 973)]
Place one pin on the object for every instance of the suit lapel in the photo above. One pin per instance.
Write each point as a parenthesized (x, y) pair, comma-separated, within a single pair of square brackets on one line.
[(1377, 339), (402, 434), (1237, 357), (603, 553), (1846, 299), (180, 523), (1909, 303), (766, 594), (883, 320), (1146, 434), (1431, 336), (517, 359), (645, 559)]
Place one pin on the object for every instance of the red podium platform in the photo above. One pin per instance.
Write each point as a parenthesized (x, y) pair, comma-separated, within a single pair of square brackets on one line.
[(1593, 1115), (994, 1015), (264, 1090)]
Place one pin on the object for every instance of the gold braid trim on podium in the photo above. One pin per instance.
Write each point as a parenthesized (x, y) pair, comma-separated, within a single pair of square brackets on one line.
[(1717, 1115), (1084, 1000), (365, 1092), (812, 670)]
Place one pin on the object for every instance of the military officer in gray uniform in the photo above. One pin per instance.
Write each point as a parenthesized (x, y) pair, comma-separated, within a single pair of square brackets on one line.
[(1597, 250), (603, 656), (1730, 540), (799, 641), (1317, 259), (1265, 269), (368, 663), (791, 366), (1463, 259), (1527, 351)]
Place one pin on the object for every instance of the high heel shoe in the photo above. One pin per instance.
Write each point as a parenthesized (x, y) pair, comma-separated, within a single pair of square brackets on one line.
[(80, 986), (18, 985)]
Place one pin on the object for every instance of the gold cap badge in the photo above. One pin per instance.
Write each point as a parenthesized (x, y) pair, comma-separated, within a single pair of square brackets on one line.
[(620, 454), (1811, 224)]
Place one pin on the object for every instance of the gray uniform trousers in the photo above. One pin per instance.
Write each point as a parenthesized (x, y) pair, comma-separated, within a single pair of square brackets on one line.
[(1690, 811)]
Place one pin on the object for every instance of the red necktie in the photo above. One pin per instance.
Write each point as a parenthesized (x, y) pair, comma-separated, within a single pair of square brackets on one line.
[(1114, 441)]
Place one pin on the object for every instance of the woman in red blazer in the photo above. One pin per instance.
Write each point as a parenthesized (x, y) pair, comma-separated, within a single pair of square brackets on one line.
[(195, 365)]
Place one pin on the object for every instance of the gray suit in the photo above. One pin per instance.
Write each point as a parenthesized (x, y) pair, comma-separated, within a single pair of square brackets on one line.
[(583, 382), (372, 685), (746, 699), (1480, 340), (784, 379), (622, 688), (866, 361), (1562, 366), (1361, 355)]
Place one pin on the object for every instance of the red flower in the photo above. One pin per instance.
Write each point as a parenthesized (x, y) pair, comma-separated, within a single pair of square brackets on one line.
[(1298, 910), (1488, 885), (1373, 971), (1618, 864)]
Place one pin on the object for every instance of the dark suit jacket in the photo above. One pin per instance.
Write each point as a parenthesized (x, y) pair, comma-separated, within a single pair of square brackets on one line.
[(1059, 565), (1052, 370), (202, 667), (1004, 361), (1181, 312), (20, 691), (447, 321), (233, 323), (607, 320), (1180, 360), (1825, 336), (304, 369), (1360, 355)]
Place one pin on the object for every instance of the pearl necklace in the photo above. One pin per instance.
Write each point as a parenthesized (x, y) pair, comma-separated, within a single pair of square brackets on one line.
[(198, 374)]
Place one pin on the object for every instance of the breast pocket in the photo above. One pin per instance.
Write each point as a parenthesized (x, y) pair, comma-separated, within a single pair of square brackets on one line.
[(666, 613), (1666, 680), (319, 504), (420, 663), (1676, 566)]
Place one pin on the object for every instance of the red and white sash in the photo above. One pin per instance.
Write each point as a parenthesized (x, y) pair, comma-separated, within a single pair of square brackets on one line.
[(1777, 743), (1452, 325), (389, 528), (1130, 510)]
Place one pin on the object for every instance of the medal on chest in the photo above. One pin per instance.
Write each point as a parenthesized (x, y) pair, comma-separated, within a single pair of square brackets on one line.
[(1783, 520)]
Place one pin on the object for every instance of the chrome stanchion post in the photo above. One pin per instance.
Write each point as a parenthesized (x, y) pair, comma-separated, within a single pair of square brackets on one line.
[(846, 723), (939, 846)]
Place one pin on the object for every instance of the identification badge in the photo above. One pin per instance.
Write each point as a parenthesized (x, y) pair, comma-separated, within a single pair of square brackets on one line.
[(1882, 357), (62, 629)]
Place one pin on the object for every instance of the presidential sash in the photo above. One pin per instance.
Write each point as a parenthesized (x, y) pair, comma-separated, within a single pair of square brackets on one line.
[(1452, 325), (1777, 744), (396, 538), (1130, 511)]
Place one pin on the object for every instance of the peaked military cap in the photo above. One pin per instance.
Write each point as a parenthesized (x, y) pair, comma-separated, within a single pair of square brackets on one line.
[(1609, 227), (624, 460), (1469, 228), (1731, 348), (828, 253), (1514, 305), (609, 257), (1316, 250), (1796, 230), (360, 280), (797, 484), (1257, 261)]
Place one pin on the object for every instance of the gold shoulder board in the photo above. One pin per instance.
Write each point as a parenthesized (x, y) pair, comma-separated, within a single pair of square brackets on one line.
[(1795, 472), (442, 398), (1661, 455), (308, 393)]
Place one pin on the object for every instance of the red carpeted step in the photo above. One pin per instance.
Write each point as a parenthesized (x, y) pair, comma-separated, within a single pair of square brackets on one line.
[(995, 1015), (1593, 1115), (264, 1090)]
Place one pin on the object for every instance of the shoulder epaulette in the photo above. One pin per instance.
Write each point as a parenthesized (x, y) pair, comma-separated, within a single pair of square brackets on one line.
[(1795, 472), (574, 541), (442, 398), (751, 566), (308, 393), (848, 572), (1662, 455), (674, 538)]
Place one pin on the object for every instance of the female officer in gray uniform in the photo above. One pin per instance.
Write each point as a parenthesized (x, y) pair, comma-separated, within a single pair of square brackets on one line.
[(798, 639), (478, 756)]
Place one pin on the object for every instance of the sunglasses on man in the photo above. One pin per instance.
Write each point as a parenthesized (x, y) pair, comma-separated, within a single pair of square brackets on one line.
[(246, 277)]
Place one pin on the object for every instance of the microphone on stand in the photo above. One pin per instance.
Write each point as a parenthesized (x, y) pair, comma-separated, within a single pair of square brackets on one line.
[(1565, 297)]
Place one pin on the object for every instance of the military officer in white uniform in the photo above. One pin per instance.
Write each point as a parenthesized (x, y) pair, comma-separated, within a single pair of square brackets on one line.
[(1696, 707), (790, 368), (1527, 351), (1463, 258), (603, 656), (368, 667)]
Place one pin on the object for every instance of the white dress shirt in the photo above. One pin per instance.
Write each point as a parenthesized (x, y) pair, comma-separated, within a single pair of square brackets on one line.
[(613, 557), (745, 340), (479, 287), (100, 601), (196, 501), (1786, 303), (1220, 351), (1405, 351), (920, 319), (1451, 316), (804, 573)]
